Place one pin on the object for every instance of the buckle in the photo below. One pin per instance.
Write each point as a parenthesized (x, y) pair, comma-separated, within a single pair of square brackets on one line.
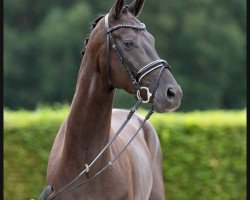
[(149, 94)]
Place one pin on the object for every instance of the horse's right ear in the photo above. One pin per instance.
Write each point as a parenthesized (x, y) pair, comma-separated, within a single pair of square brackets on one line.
[(116, 9), (136, 6)]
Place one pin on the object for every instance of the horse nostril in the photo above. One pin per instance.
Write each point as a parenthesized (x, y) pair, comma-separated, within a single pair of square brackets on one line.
[(171, 92)]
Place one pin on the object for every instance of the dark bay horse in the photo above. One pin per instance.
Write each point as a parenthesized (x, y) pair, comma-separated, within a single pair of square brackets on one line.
[(119, 53)]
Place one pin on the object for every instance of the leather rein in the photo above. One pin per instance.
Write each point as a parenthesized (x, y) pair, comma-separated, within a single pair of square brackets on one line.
[(135, 77)]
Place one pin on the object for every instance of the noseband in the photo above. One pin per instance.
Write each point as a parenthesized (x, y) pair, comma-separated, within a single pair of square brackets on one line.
[(135, 76)]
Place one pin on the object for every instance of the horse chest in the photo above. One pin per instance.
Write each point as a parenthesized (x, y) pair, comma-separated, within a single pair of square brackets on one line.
[(119, 183)]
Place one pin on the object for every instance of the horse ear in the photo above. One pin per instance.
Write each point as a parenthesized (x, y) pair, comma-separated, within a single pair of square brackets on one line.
[(116, 9), (135, 7)]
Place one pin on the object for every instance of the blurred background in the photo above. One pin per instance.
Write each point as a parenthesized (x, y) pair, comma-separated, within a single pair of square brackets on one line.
[(204, 41), (203, 142)]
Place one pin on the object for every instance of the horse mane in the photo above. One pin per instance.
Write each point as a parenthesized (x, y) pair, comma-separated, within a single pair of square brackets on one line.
[(93, 25)]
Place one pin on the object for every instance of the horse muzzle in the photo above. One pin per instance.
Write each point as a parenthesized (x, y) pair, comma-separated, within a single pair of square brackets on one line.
[(169, 100)]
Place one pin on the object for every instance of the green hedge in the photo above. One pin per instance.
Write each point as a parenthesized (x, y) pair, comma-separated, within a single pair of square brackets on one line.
[(204, 152)]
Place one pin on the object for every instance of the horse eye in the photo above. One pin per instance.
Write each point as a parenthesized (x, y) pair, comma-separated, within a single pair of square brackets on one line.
[(129, 44)]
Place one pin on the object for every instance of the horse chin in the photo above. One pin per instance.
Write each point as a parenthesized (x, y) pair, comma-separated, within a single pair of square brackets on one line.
[(164, 107)]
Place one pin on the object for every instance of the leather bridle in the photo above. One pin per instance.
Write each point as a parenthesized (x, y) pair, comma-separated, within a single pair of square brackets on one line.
[(136, 77)]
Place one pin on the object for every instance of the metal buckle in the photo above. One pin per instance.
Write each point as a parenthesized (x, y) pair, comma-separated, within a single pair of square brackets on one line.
[(149, 94)]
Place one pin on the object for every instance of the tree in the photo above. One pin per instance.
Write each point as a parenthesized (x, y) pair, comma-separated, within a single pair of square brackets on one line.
[(203, 41)]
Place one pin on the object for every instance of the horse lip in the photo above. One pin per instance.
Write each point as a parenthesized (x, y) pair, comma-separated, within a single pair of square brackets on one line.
[(162, 108)]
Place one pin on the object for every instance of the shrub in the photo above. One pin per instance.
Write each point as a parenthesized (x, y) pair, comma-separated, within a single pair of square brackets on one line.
[(204, 152), (204, 155)]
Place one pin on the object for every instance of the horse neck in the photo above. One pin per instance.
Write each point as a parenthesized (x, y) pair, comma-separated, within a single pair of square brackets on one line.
[(89, 120)]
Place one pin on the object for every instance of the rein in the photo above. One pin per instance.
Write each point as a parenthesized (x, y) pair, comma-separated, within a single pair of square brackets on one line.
[(136, 77)]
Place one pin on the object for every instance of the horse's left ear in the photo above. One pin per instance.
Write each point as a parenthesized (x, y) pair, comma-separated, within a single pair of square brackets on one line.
[(135, 7)]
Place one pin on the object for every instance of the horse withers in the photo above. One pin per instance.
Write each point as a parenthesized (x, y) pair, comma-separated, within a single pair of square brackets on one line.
[(96, 155)]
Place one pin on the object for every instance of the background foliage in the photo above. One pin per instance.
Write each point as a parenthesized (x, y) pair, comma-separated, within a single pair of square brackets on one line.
[(204, 42), (204, 152)]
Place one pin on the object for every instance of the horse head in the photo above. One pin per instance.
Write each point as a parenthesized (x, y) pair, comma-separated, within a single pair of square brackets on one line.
[(130, 61)]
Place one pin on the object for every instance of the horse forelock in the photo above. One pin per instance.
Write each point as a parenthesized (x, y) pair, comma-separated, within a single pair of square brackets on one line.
[(93, 25)]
